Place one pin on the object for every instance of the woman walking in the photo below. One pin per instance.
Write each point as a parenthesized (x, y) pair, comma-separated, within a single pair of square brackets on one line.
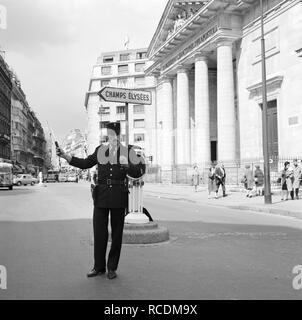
[(248, 180), (259, 180), (211, 181), (287, 182), (195, 178)]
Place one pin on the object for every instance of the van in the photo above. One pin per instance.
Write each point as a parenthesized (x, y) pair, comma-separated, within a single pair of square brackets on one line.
[(6, 175)]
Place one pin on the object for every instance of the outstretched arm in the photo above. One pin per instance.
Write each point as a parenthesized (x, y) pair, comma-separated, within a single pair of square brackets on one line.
[(87, 163)]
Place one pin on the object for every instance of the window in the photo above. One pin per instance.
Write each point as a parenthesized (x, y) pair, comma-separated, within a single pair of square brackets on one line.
[(139, 81), (123, 68), (122, 82), (139, 109), (105, 83), (103, 124), (120, 109), (123, 138), (139, 123), (139, 137), (139, 67), (293, 120), (141, 55), (108, 59), (124, 57), (106, 70), (104, 110)]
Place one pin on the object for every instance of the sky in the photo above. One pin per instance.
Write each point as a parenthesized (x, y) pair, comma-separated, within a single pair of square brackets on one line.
[(52, 46)]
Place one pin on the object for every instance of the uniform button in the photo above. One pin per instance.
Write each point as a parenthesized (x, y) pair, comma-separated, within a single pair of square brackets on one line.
[(111, 169)]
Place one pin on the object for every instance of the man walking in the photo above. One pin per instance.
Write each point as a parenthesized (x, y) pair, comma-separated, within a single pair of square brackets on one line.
[(220, 179), (114, 162), (297, 178)]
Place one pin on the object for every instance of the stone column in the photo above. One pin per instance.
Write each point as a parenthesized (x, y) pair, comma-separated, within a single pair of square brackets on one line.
[(167, 127), (183, 118), (159, 124), (202, 111), (226, 130)]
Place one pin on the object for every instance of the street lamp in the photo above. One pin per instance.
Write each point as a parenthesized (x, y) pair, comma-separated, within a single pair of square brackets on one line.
[(267, 182)]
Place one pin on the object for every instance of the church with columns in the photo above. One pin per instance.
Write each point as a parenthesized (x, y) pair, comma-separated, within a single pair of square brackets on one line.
[(206, 57)]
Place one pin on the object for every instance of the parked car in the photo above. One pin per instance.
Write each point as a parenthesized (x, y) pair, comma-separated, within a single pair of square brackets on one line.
[(72, 178), (25, 179), (62, 177)]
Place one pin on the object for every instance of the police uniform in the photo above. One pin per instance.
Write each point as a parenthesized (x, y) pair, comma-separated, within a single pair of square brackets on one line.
[(110, 195)]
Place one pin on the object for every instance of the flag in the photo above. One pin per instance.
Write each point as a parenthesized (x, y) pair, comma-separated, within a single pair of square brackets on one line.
[(3, 17), (126, 43)]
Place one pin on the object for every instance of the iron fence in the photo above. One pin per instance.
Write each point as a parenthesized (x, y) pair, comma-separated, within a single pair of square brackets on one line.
[(234, 171)]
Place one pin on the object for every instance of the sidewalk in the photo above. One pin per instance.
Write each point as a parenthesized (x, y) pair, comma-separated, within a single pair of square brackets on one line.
[(234, 200)]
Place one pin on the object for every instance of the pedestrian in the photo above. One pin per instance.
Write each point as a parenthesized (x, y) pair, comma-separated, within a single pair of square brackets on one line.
[(223, 180), (195, 177), (259, 180), (297, 172), (219, 174), (211, 181), (287, 181), (248, 180), (114, 162)]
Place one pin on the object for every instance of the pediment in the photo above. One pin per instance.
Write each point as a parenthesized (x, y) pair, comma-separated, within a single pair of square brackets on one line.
[(175, 15)]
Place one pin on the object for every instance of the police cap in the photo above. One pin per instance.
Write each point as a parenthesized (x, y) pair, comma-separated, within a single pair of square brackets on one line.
[(114, 126)]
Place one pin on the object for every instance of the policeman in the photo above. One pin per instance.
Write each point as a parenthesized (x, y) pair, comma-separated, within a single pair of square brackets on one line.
[(114, 162)]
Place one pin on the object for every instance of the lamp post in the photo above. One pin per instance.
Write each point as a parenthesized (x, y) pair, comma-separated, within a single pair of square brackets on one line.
[(267, 182)]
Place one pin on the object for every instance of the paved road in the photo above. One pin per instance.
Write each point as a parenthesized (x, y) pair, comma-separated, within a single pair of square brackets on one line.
[(213, 253)]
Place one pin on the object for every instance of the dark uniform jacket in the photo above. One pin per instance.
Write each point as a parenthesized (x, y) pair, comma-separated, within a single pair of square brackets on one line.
[(112, 188)]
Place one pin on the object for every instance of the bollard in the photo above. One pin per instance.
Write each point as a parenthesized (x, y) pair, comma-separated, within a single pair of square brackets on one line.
[(136, 215)]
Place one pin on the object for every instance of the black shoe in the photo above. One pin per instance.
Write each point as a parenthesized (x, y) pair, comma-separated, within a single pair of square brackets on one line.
[(95, 273), (111, 274)]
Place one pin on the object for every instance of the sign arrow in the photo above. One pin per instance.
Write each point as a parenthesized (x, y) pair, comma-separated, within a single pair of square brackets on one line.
[(126, 95)]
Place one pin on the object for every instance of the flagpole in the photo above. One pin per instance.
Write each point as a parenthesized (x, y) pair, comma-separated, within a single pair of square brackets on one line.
[(267, 183)]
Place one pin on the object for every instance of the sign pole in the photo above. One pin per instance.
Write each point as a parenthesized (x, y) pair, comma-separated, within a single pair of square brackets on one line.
[(127, 123), (267, 183)]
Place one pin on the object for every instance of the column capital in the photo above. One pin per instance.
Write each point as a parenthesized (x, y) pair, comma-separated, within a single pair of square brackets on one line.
[(165, 78), (183, 69), (202, 56), (224, 42)]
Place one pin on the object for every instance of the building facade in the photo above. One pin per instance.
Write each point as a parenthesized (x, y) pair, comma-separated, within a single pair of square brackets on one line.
[(51, 159), (20, 110), (75, 144), (5, 110), (207, 60), (28, 139), (122, 69), (39, 147)]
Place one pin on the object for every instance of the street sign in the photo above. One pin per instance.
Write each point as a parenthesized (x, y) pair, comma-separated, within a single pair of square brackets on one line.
[(126, 95)]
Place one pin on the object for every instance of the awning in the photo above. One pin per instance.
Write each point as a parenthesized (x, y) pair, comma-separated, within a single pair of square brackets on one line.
[(17, 168)]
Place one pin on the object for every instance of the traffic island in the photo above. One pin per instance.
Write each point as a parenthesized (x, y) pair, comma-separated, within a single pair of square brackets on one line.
[(146, 233)]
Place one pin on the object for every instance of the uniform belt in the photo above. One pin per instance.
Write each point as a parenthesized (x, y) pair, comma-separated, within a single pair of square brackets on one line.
[(109, 182)]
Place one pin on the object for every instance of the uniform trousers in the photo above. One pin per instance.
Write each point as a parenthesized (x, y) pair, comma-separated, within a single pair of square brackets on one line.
[(100, 231)]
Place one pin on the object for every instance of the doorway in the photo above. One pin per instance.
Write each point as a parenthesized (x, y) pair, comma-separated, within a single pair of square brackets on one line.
[(272, 121), (213, 151)]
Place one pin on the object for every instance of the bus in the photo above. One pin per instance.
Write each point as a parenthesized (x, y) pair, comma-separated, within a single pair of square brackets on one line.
[(6, 175), (52, 176)]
